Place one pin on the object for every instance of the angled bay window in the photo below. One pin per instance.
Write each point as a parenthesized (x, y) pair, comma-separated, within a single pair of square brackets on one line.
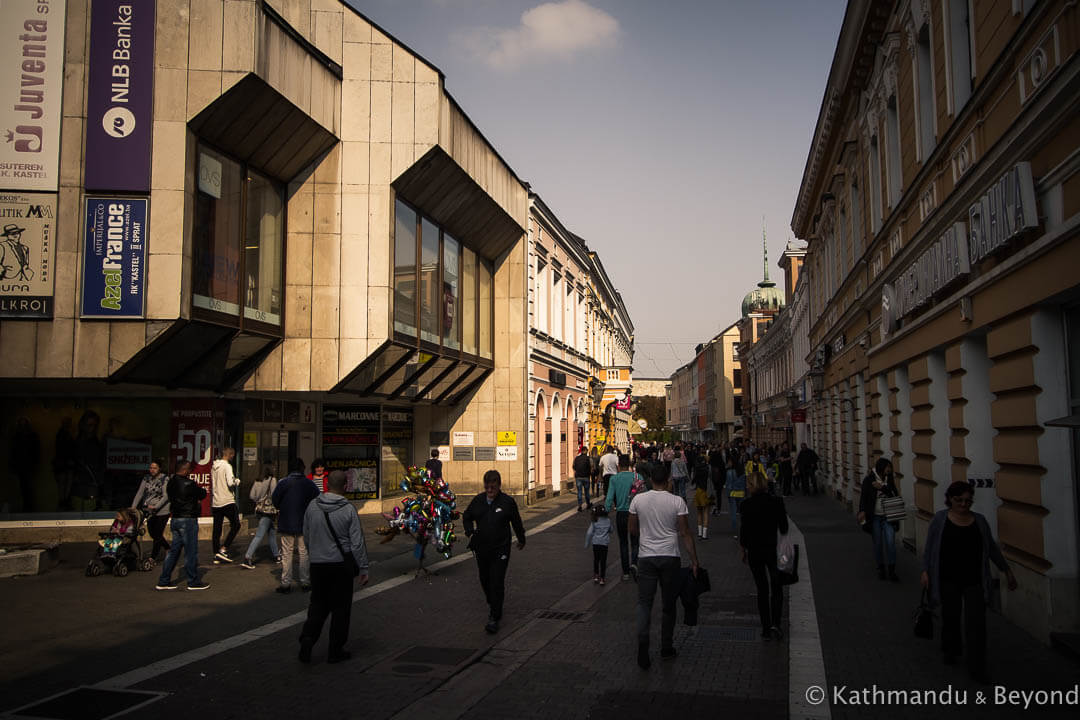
[(238, 244), (442, 289)]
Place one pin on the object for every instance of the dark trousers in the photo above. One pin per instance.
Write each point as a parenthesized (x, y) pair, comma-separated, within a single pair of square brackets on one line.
[(969, 598), (653, 571), (770, 593), (628, 544), (599, 560), (230, 512), (331, 595), (785, 477), (155, 525), (492, 565), (606, 483)]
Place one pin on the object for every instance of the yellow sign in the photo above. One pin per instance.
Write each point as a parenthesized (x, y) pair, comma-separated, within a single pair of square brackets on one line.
[(507, 437), (251, 439)]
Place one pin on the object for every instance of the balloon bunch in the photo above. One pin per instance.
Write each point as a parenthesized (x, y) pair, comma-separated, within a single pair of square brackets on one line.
[(428, 516)]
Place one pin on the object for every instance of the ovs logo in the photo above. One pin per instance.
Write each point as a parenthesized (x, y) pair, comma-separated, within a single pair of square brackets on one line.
[(118, 122)]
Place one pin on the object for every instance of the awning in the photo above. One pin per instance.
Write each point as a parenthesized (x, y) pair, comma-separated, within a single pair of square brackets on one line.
[(443, 190), (255, 123)]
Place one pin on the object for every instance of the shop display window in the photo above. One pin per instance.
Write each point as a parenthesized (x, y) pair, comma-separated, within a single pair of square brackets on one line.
[(405, 269)]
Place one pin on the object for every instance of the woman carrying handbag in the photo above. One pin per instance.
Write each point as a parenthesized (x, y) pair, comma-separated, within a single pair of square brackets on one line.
[(877, 488)]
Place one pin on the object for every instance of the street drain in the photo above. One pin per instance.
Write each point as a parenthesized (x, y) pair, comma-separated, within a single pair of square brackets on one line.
[(721, 633), (557, 615), (87, 703)]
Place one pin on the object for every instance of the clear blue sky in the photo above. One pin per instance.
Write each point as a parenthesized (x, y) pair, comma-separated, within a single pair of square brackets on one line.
[(661, 131)]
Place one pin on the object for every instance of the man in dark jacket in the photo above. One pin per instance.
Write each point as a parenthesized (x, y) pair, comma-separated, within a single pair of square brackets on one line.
[(291, 498), (487, 522), (582, 473), (806, 466), (185, 502), (332, 531)]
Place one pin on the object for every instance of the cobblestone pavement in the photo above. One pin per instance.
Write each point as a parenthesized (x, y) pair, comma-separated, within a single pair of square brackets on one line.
[(866, 630)]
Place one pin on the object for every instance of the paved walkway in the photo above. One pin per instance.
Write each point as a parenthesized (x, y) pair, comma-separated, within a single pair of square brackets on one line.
[(866, 630)]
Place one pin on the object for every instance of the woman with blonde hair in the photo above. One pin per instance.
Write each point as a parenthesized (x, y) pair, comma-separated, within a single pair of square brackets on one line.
[(763, 516)]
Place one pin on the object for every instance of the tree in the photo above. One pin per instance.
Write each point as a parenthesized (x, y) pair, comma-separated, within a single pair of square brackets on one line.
[(653, 409)]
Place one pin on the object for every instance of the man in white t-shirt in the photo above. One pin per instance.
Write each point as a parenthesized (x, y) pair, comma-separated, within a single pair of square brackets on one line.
[(609, 466), (660, 519)]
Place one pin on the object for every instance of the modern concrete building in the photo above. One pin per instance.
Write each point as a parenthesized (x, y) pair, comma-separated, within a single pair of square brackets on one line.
[(941, 202), (289, 238)]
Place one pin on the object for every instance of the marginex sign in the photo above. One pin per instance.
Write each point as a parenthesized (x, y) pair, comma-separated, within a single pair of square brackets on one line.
[(31, 84), (120, 96), (1004, 212)]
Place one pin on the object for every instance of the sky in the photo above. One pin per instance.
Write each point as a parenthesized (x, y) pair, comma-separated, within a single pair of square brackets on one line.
[(663, 132)]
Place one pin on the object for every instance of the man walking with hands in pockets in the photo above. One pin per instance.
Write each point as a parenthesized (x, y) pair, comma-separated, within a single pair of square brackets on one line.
[(660, 519), (487, 522)]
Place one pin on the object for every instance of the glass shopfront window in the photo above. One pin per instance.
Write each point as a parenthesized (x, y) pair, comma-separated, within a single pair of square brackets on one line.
[(263, 262), (238, 248), (216, 250), (429, 282), (451, 296), (405, 269), (77, 457)]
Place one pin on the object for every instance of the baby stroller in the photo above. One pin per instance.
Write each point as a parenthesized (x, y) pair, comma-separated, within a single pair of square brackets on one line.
[(121, 552)]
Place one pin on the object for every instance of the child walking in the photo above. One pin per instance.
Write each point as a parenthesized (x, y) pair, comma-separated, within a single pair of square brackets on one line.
[(598, 536)]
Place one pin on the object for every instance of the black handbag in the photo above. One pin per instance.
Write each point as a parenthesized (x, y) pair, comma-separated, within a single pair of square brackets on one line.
[(924, 618), (348, 558), (791, 577)]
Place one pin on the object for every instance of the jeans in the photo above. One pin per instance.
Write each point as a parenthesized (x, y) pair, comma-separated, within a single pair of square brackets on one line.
[(969, 598), (733, 508), (331, 596), (220, 513), (680, 485), (884, 540), (287, 544), (266, 523), (770, 593), (492, 565), (665, 572), (628, 544), (583, 483), (599, 562), (185, 534)]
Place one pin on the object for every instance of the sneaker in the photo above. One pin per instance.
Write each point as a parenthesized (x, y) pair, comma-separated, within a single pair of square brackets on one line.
[(339, 656), (305, 587), (596, 579), (603, 581), (165, 586), (633, 571), (776, 632), (198, 586), (248, 564), (222, 556), (626, 576), (305, 649), (492, 626), (283, 589), (277, 559)]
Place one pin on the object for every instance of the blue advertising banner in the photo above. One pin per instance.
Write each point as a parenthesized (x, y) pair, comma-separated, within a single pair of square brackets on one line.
[(114, 258), (120, 96)]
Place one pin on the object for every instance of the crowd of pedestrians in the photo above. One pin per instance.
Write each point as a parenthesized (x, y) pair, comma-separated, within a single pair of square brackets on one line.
[(640, 497)]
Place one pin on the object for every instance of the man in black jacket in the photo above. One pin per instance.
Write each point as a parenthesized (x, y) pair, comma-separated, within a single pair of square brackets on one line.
[(185, 503), (582, 473), (487, 522)]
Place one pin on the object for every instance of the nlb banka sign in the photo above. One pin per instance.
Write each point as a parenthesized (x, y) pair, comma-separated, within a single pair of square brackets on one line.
[(1003, 213), (120, 96)]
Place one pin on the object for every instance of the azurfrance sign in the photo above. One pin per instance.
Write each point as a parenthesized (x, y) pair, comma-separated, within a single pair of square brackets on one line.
[(31, 79), (114, 258), (120, 95)]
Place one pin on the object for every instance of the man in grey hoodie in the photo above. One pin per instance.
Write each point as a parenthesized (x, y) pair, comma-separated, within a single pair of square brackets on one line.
[(332, 534)]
